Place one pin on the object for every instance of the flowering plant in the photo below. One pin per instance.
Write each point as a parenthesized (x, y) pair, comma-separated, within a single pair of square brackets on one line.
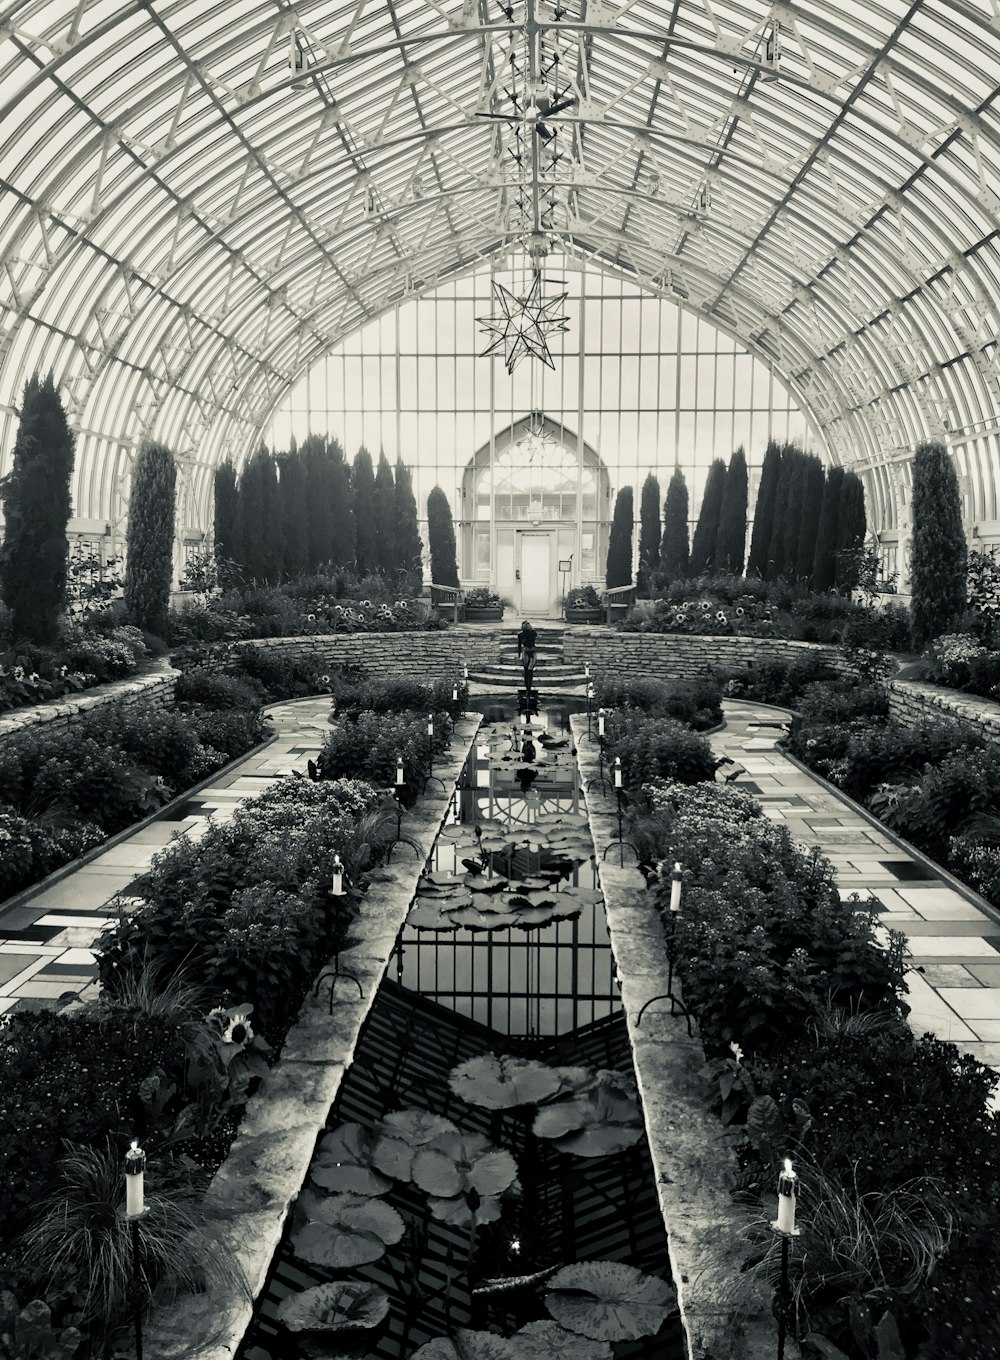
[(223, 1057)]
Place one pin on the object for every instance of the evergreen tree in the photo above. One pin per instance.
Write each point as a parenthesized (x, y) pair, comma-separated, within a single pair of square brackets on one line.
[(319, 526), (649, 534), (363, 488), (293, 496), (812, 503), (274, 524), (940, 552), (441, 539), (776, 549), (706, 531), (385, 520), (36, 501), (827, 535), (619, 568), (793, 513), (408, 543), (674, 550), (341, 506), (731, 544), (253, 527), (763, 515), (150, 558), (851, 527), (226, 515)]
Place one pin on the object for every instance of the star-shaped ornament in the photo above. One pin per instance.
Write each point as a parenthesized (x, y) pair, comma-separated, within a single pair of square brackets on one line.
[(524, 324)]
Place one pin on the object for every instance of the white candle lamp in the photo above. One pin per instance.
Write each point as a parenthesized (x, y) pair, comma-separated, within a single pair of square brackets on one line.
[(787, 1194), (400, 778), (586, 670), (675, 888), (430, 724), (590, 690), (135, 1166), (454, 693), (465, 673), (618, 772), (337, 885), (601, 715)]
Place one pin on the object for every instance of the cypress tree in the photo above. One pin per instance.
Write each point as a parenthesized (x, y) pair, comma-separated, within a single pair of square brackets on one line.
[(674, 550), (36, 501), (793, 513), (937, 573), (763, 515), (340, 506), (441, 538), (150, 558), (649, 534), (851, 527), (274, 528), (363, 489), (776, 548), (812, 502), (825, 559), (731, 544), (385, 520), (706, 532), (226, 515), (253, 530), (319, 528), (294, 514), (619, 565), (408, 543)]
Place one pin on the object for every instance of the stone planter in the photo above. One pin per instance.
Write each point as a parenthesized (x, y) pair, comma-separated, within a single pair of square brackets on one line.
[(487, 613), (589, 614)]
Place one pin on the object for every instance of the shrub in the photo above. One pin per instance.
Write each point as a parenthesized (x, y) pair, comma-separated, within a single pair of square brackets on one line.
[(658, 748), (229, 732), (583, 597), (937, 807), (149, 563), (937, 574), (698, 703), (775, 680), (395, 696), (36, 510), (482, 597), (367, 748), (159, 740), (219, 691), (282, 676), (30, 850)]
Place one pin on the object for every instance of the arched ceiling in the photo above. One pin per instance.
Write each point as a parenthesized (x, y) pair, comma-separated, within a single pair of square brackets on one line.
[(199, 199)]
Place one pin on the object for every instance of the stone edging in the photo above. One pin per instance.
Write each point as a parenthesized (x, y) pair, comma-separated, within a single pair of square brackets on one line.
[(725, 1314), (67, 707), (252, 1192)]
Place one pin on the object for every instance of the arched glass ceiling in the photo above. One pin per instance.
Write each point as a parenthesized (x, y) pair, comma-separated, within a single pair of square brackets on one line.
[(199, 199)]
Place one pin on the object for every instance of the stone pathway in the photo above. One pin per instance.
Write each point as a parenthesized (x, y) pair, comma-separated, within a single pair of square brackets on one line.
[(954, 978), (47, 935)]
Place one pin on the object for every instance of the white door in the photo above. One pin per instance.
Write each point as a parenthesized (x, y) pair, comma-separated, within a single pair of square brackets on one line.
[(536, 572)]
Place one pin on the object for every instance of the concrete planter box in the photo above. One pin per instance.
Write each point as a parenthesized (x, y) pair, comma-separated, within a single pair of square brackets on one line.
[(483, 613), (589, 614)]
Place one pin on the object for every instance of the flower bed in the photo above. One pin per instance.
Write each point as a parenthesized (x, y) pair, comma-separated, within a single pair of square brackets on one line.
[(88, 656)]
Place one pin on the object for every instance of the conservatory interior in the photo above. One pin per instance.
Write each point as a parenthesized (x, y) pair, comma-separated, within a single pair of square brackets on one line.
[(499, 680)]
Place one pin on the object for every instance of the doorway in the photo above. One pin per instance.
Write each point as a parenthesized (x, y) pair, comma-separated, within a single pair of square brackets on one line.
[(535, 566)]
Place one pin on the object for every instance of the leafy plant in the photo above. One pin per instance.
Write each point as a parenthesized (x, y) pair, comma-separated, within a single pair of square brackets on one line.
[(345, 1308), (482, 597), (608, 1300), (339, 1231), (583, 597)]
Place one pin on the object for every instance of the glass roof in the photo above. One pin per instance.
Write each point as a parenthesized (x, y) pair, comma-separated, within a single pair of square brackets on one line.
[(199, 200)]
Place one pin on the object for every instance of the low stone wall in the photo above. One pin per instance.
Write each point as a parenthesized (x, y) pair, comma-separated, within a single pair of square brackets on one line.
[(417, 656), (154, 685)]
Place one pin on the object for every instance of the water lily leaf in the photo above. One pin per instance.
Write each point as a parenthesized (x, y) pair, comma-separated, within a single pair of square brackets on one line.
[(429, 915), (599, 1118), (343, 1306), (457, 1210), (599, 1142), (532, 899), (455, 1163), (436, 878), (531, 918), (399, 1137), (481, 884), (608, 1300), (549, 1341), (343, 1162), (466, 1345), (504, 1082), (476, 918), (341, 1231)]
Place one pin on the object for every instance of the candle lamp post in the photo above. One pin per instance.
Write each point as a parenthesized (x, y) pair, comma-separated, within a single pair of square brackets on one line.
[(784, 1226), (676, 879), (337, 895), (619, 840), (431, 776), (600, 778), (397, 798), (590, 711), (135, 1207)]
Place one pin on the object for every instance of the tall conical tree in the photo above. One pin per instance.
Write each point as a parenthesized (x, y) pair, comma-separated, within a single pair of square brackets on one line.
[(812, 503), (36, 501), (363, 488), (706, 531), (776, 549), (851, 528), (408, 544), (253, 518), (649, 534), (274, 524), (441, 539), (341, 506), (385, 519), (226, 515), (319, 527), (150, 557), (763, 515), (940, 551), (674, 550), (827, 535), (293, 497), (793, 513), (619, 568), (731, 544)]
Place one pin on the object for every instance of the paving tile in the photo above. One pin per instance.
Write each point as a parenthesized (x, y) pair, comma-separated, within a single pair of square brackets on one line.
[(986, 1029), (80, 890), (951, 975), (14, 984), (986, 973), (979, 1003), (98, 922), (929, 1012), (949, 928), (129, 855), (951, 947)]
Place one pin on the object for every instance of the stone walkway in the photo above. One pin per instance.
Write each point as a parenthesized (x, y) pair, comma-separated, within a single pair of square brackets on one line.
[(47, 938), (954, 978)]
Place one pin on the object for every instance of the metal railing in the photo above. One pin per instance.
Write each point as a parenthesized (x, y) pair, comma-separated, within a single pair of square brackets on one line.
[(448, 595), (618, 601)]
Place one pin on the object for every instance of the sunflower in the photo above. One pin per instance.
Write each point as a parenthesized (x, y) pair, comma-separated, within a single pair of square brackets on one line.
[(238, 1031)]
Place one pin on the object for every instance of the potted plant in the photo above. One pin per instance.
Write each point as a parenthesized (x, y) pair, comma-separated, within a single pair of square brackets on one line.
[(583, 605), (482, 605)]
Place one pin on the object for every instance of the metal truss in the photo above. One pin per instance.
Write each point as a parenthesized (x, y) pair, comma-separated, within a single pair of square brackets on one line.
[(199, 200)]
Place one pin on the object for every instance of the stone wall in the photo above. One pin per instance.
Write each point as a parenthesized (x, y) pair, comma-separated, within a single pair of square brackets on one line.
[(415, 656)]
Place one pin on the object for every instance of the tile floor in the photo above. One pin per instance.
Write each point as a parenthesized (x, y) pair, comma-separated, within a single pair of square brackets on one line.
[(954, 979)]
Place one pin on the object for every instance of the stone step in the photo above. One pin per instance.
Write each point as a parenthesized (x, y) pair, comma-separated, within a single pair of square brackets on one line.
[(513, 668)]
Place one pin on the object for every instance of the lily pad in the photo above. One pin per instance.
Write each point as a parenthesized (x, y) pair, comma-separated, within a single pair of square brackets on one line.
[(465, 1345), (341, 1231), (427, 914), (484, 918), (550, 1341), (455, 1163), (598, 1119), (399, 1137), (504, 1082), (342, 1164), (608, 1300), (458, 1211), (342, 1306)]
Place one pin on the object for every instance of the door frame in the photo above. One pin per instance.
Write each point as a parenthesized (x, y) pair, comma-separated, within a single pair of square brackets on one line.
[(552, 536)]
